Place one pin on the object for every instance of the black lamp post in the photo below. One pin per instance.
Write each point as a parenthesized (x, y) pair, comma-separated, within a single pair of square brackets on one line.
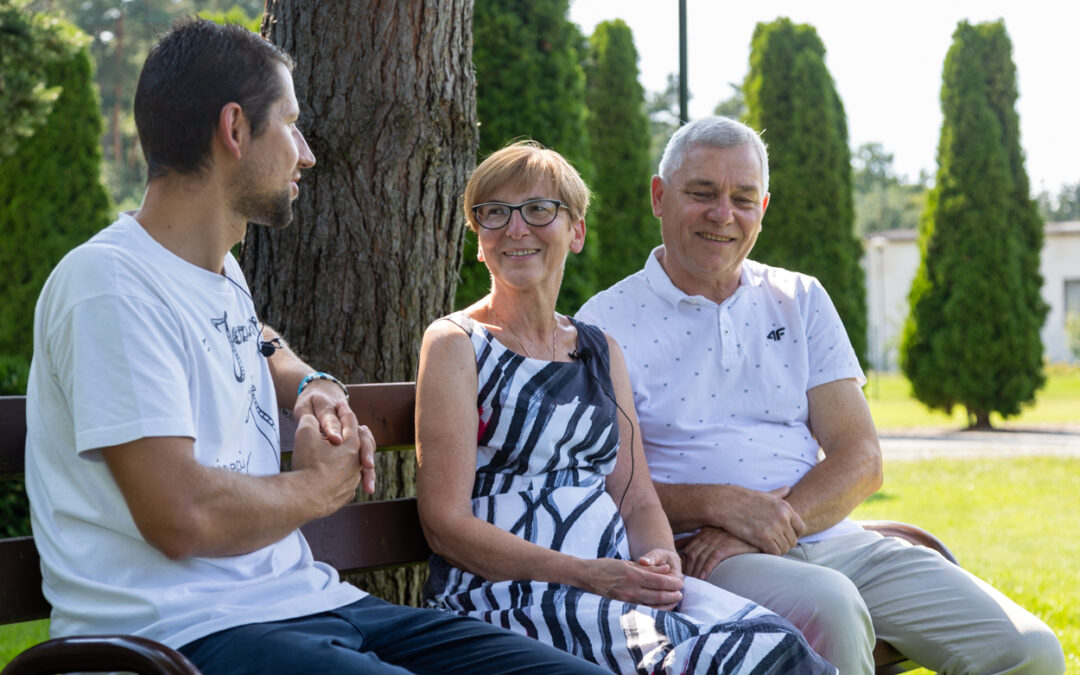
[(684, 92)]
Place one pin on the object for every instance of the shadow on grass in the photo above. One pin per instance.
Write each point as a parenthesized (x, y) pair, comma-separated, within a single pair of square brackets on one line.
[(880, 497)]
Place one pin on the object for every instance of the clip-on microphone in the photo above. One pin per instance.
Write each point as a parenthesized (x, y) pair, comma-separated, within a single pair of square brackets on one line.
[(583, 354), (268, 347)]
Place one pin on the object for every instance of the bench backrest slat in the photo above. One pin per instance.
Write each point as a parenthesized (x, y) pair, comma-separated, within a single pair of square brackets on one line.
[(12, 435), (363, 536)]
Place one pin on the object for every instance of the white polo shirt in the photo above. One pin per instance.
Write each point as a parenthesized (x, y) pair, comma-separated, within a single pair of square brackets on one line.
[(721, 389)]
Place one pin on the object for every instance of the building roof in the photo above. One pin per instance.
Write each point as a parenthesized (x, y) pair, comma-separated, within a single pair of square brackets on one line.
[(1071, 227), (1068, 227)]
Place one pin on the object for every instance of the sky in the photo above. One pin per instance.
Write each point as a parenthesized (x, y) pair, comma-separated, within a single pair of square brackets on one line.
[(886, 60)]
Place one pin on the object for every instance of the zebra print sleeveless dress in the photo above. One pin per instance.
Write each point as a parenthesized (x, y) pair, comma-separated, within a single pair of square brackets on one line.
[(548, 436)]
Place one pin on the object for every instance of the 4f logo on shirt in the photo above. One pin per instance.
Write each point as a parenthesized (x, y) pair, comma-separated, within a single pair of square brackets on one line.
[(776, 334)]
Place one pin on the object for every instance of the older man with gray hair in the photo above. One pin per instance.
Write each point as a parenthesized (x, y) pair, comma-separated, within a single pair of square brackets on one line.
[(743, 375)]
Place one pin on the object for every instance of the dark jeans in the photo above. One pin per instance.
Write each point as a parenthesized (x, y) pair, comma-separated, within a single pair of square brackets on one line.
[(374, 636)]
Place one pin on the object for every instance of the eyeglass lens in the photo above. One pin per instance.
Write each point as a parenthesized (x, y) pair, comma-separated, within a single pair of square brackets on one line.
[(535, 212)]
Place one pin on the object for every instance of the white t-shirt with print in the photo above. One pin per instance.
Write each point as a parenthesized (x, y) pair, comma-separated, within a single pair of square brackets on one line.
[(130, 342), (721, 389)]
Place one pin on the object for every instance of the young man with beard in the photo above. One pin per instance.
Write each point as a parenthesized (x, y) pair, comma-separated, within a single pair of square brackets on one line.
[(153, 453)]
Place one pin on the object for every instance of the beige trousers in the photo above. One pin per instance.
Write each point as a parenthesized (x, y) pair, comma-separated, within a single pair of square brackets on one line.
[(844, 592)]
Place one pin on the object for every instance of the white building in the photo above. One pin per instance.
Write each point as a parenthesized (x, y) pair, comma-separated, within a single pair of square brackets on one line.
[(892, 258)]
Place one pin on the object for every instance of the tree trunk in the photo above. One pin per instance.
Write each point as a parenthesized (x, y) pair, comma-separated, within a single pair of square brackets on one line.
[(388, 106), (979, 420)]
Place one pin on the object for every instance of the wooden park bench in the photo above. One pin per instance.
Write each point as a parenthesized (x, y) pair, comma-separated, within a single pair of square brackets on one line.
[(360, 537)]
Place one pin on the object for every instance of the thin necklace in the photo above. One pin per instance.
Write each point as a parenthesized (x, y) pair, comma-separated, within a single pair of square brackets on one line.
[(522, 342)]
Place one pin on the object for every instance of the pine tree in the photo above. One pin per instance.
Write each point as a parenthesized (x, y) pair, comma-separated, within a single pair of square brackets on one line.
[(530, 84), (53, 196), (622, 222), (972, 332), (809, 225)]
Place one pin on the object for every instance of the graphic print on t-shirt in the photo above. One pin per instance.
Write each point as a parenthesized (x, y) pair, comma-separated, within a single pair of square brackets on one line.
[(237, 335), (265, 421)]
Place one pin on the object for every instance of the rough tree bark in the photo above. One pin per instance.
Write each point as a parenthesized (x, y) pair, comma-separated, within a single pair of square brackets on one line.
[(388, 106)]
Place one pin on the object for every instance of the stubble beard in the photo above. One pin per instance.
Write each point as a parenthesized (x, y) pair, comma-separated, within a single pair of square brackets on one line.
[(272, 209)]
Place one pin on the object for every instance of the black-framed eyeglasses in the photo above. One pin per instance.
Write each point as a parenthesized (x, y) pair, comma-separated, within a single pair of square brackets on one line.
[(535, 212)]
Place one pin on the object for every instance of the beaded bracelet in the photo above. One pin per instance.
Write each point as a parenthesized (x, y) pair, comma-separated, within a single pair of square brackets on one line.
[(321, 376)]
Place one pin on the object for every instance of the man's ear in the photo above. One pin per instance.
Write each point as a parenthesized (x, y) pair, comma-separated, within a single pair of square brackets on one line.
[(657, 192), (233, 129), (765, 203)]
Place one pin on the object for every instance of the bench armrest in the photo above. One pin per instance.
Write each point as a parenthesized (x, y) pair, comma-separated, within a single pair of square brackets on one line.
[(911, 533), (100, 653)]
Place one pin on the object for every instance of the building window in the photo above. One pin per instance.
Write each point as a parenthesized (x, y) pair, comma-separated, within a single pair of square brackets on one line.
[(1072, 298)]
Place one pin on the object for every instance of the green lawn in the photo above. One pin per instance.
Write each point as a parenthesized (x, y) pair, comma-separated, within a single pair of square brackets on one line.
[(17, 637), (1009, 521), (889, 395)]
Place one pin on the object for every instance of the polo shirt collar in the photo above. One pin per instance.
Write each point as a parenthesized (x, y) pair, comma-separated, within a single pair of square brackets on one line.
[(751, 274)]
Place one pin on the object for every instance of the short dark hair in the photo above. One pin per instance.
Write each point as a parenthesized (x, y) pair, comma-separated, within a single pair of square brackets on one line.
[(188, 77)]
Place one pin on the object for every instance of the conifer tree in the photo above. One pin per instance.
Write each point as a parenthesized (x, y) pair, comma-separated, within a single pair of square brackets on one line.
[(27, 43), (53, 195), (972, 332), (809, 225), (621, 216), (1024, 214), (530, 84), (53, 200)]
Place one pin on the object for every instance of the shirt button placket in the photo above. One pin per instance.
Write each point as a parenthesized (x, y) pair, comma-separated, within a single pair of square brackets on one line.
[(728, 351)]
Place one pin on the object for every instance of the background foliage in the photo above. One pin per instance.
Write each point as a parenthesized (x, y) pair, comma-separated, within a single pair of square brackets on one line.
[(1064, 206), (972, 337), (530, 83), (53, 201), (809, 225), (28, 42), (622, 223), (883, 200), (121, 33)]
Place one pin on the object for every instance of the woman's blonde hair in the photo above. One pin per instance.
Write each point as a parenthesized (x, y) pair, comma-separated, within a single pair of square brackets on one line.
[(520, 165)]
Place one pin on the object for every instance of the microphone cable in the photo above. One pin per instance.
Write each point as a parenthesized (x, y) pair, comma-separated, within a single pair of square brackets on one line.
[(266, 347), (585, 356)]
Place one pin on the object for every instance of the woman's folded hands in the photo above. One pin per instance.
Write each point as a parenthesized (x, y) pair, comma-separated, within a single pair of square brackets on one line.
[(655, 579)]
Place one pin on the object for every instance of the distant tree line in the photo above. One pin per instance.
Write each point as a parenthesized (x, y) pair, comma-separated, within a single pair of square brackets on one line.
[(1064, 206), (884, 200)]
